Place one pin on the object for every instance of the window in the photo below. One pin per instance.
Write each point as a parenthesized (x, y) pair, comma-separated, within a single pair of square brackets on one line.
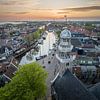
[(67, 64), (63, 46), (68, 46), (62, 54), (89, 62), (64, 40)]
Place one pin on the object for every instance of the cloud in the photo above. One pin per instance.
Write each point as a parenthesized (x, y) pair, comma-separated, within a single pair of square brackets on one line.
[(8, 2), (90, 8), (18, 2), (64, 12), (43, 9), (21, 12), (13, 13)]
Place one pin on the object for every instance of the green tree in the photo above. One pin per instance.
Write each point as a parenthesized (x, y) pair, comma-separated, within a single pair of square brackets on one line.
[(58, 33), (29, 83), (38, 33), (28, 39), (89, 26)]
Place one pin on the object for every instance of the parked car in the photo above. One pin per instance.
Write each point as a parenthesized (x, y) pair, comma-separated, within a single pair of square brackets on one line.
[(41, 57)]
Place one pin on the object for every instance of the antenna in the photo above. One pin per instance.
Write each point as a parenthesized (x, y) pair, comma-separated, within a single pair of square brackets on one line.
[(65, 16)]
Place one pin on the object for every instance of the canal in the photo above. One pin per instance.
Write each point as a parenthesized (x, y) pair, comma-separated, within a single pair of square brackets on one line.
[(45, 48)]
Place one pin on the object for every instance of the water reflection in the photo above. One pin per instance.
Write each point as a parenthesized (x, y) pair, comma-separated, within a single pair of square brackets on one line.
[(44, 49)]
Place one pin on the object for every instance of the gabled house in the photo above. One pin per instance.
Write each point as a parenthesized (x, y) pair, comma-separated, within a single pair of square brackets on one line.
[(6, 73), (5, 51), (88, 45), (11, 69)]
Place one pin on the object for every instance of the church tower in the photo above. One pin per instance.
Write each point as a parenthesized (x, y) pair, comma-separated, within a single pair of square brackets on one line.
[(64, 49)]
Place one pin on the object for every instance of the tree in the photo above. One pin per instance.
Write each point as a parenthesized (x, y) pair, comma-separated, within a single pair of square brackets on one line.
[(58, 33), (38, 33), (28, 84), (89, 26), (28, 39)]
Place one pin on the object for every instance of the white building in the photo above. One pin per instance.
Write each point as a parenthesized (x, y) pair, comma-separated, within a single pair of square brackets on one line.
[(64, 50)]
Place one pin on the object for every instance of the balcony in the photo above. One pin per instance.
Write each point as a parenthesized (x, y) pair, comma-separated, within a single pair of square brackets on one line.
[(65, 43), (64, 59), (67, 48)]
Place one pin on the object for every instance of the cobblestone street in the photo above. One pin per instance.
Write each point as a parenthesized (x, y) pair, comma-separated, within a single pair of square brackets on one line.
[(51, 69)]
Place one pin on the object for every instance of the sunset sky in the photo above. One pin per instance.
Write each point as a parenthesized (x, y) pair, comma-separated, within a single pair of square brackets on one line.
[(12, 10)]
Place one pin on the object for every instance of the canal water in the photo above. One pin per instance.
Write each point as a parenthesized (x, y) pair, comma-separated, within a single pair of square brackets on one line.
[(44, 49)]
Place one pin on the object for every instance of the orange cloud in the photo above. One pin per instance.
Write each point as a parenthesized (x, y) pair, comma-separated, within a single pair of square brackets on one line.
[(28, 9), (83, 8)]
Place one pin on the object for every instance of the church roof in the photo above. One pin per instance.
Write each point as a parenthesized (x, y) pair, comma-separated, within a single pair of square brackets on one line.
[(96, 90), (68, 87)]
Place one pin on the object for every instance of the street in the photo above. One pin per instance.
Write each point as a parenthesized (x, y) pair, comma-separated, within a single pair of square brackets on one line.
[(51, 68)]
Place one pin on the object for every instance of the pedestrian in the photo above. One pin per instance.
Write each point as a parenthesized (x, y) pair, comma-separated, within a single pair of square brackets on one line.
[(43, 61)]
